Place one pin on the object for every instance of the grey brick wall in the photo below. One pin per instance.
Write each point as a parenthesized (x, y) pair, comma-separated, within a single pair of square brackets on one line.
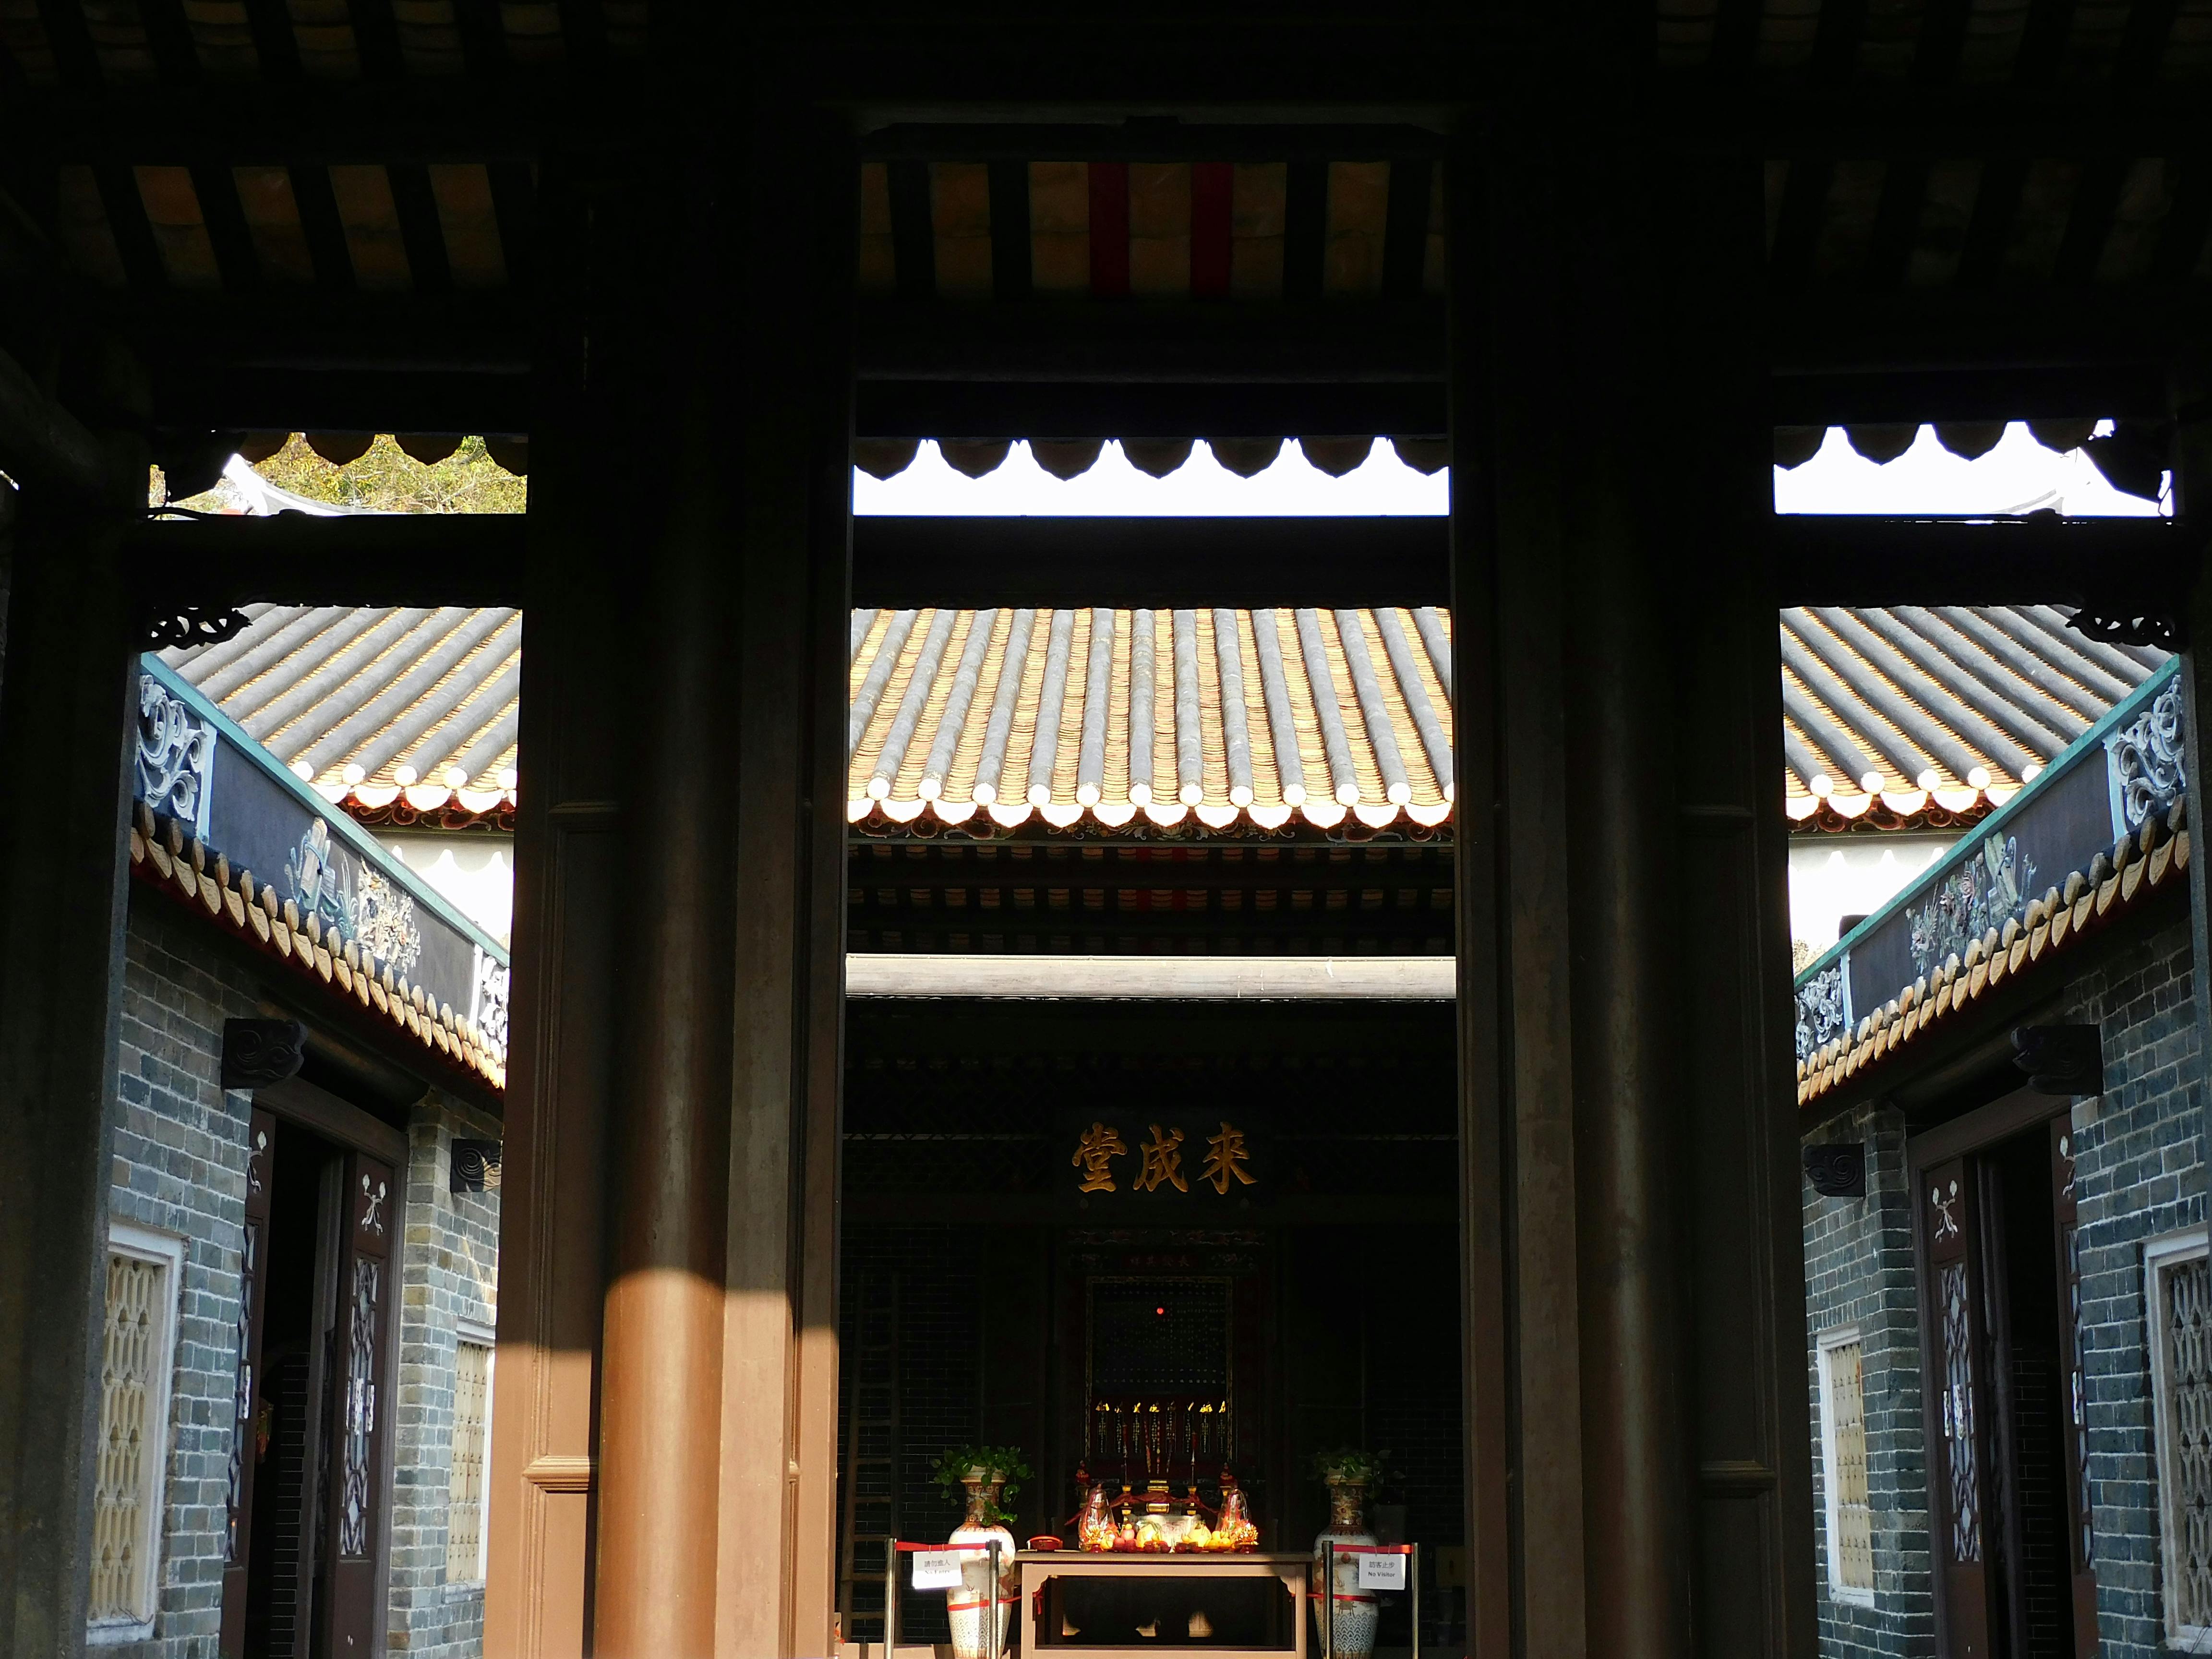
[(449, 1274), (1858, 1270), (179, 1168), (2138, 1172)]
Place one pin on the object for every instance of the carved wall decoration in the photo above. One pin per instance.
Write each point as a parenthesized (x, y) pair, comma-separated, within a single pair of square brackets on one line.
[(256, 1053), (175, 761), (1838, 1170), (474, 1167), (2060, 1059), (1986, 891), (373, 1195), (1824, 1008), (318, 882), (384, 921), (488, 999), (1947, 1211), (242, 1397), (1959, 1416), (2143, 761), (360, 1406)]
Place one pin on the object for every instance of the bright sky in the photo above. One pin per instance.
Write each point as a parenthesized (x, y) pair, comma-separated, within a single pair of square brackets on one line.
[(2019, 475)]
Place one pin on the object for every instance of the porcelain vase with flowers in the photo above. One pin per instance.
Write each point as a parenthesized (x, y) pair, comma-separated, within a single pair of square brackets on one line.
[(1344, 1615), (979, 1604)]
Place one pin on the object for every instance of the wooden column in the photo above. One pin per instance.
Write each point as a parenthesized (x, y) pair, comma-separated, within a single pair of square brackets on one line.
[(1737, 1184), (66, 727), (570, 863), (1624, 748), (779, 1473), (660, 1434), (1523, 1412), (665, 1466), (1635, 1415)]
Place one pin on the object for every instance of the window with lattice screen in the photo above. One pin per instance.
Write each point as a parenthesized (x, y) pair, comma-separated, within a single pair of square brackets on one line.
[(139, 1338), (1844, 1466), (464, 1511), (2177, 1304)]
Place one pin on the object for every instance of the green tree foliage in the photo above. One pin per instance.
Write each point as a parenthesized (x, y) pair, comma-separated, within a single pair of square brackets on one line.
[(387, 480)]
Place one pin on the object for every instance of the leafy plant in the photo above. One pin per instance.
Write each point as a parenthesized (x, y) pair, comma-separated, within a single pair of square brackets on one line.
[(1352, 1463), (1004, 1463)]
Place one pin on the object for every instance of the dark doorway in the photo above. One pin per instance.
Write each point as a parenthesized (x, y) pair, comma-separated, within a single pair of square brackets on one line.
[(1996, 1234), (315, 1332)]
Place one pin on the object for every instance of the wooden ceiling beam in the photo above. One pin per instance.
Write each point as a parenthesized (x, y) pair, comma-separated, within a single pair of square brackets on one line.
[(196, 397), (1934, 123), (1850, 330), (1138, 342), (288, 120), (2116, 566), (432, 558), (1072, 562), (1030, 409), (1147, 140)]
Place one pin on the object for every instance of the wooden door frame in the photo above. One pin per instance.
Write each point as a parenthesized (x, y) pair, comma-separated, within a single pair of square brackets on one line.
[(1963, 1137), (349, 1129)]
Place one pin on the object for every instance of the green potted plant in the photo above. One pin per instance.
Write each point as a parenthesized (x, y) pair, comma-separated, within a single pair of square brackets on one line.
[(978, 1477), (1349, 1613)]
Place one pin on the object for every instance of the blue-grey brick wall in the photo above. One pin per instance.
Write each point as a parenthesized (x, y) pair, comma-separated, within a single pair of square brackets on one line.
[(1858, 1270), (2139, 1173), (449, 1274), (179, 1169)]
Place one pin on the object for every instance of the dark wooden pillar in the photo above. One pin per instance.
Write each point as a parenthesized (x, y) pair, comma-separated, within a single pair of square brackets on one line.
[(1622, 747), (1635, 1412), (664, 1470), (1524, 1420), (578, 772), (66, 730), (779, 1403), (1736, 1181), (661, 1390)]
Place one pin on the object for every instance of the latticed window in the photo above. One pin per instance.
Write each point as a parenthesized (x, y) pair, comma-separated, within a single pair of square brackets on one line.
[(2178, 1294), (137, 1348), (1843, 1440), (471, 1430)]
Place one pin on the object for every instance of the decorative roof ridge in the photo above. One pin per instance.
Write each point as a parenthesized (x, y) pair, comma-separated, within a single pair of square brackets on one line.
[(341, 821), (2091, 900), (2091, 742), (163, 855)]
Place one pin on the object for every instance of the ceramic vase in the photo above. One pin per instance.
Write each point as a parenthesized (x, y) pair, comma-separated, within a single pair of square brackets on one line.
[(970, 1606), (1356, 1613)]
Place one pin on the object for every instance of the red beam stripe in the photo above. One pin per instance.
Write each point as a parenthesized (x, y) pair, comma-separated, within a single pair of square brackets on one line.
[(1109, 230), (1209, 230)]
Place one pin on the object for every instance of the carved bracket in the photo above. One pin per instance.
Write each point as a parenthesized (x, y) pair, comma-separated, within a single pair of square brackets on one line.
[(259, 1052), (2060, 1059), (194, 624), (476, 1167), (2125, 628), (1838, 1170)]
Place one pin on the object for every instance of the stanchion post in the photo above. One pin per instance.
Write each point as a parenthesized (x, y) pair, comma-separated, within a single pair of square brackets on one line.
[(1328, 1599), (890, 1598), (1415, 1569), (997, 1652)]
